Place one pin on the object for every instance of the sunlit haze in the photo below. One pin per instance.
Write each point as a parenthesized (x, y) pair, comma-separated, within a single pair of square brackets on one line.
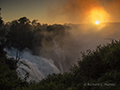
[(98, 15), (62, 11)]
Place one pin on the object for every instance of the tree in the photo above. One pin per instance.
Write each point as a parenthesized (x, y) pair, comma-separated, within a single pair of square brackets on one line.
[(2, 29), (20, 35), (1, 22), (24, 20)]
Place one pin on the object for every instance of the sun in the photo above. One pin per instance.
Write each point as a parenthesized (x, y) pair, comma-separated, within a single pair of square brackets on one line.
[(98, 16), (97, 22)]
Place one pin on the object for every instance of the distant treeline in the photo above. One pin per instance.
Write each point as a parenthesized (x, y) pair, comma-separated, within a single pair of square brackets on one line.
[(23, 33)]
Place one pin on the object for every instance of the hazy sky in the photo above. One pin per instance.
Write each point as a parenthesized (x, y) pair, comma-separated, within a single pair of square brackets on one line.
[(33, 9), (62, 11)]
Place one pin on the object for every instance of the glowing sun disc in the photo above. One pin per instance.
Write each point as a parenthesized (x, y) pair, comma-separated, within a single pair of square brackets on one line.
[(97, 22)]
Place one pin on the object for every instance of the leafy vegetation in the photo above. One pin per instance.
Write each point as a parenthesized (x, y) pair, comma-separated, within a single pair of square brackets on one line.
[(9, 79), (26, 34), (96, 70)]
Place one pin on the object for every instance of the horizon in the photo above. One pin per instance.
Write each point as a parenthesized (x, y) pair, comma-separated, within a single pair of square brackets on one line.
[(66, 23)]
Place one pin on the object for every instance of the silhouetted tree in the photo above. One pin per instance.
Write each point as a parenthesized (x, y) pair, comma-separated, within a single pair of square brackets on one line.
[(20, 35), (1, 22), (24, 20)]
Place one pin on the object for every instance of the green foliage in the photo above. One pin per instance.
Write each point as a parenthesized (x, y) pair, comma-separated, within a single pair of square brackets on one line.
[(96, 70), (8, 75), (26, 34), (20, 35), (9, 79), (101, 65), (1, 22)]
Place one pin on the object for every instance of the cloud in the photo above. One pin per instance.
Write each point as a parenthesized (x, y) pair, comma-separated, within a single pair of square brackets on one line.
[(112, 7), (78, 10)]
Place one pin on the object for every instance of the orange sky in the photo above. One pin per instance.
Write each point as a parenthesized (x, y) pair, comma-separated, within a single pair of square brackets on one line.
[(62, 11), (89, 10)]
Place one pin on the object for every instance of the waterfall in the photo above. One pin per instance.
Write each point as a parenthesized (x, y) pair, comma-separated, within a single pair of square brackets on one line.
[(60, 55), (37, 67)]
